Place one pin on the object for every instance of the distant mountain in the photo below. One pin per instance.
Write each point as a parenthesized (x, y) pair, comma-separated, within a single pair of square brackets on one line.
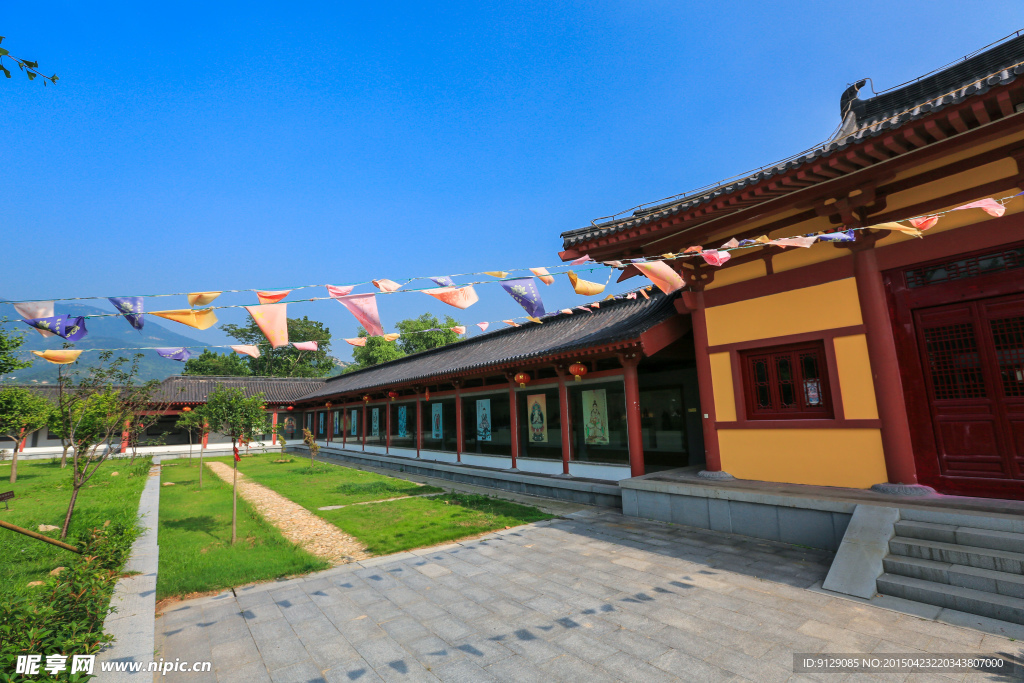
[(104, 333)]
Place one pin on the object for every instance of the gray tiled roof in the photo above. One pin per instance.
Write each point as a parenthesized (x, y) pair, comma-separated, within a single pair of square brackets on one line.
[(615, 321), (865, 119), (195, 388)]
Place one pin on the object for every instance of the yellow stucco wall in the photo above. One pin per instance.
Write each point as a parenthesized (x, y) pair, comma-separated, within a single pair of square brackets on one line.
[(821, 307), (854, 368), (824, 457), (721, 380)]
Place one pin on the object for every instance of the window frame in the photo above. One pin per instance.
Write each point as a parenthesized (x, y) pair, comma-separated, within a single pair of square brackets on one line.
[(802, 411)]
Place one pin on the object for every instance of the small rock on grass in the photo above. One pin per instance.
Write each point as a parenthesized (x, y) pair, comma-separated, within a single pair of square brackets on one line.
[(57, 571), (168, 483), (34, 583), (47, 527), (114, 474)]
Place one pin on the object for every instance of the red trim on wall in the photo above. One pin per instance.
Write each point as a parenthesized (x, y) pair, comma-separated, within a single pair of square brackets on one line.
[(799, 424)]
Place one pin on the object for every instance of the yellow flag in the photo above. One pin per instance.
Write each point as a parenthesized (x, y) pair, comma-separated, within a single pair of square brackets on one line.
[(59, 356), (202, 298), (202, 319), (899, 227), (497, 273), (534, 320), (543, 275), (391, 336), (584, 287)]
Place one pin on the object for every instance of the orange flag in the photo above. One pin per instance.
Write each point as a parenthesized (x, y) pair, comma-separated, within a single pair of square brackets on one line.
[(386, 285), (59, 356), (202, 319), (247, 349), (391, 336), (543, 275), (273, 322), (272, 297), (661, 274), (513, 323), (924, 222), (459, 297), (585, 287), (358, 341), (202, 298), (459, 329), (899, 227)]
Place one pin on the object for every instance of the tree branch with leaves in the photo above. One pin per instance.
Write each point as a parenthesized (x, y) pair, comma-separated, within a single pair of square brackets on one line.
[(28, 67)]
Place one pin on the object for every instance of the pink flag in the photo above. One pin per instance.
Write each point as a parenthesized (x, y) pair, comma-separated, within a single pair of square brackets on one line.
[(273, 322), (364, 308), (567, 311), (272, 297), (731, 244), (459, 329), (715, 257), (595, 305), (36, 309), (795, 241), (581, 259), (459, 297), (483, 326), (335, 292), (543, 275), (386, 285), (989, 206), (631, 295), (306, 346), (247, 349), (924, 222), (358, 341), (661, 274), (584, 308)]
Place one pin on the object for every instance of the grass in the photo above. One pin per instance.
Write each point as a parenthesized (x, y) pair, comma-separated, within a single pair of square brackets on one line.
[(323, 484), (399, 525), (41, 496), (196, 554)]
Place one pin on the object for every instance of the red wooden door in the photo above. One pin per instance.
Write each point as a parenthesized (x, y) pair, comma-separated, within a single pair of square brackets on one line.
[(972, 354)]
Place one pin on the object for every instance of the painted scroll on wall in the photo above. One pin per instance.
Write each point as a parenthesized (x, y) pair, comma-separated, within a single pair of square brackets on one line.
[(375, 422), (435, 421), (402, 421), (483, 419), (595, 417), (355, 425), (537, 409)]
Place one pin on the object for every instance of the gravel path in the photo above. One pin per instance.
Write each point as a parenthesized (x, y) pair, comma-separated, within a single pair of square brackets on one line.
[(297, 524)]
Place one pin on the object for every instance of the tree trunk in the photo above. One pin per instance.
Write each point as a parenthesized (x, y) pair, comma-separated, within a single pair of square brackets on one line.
[(200, 470), (71, 509), (64, 457), (190, 446), (14, 463), (234, 494)]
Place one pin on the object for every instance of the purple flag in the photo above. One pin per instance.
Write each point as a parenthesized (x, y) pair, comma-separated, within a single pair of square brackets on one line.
[(844, 236), (443, 281), (64, 326), (524, 291), (74, 328), (130, 307), (180, 353)]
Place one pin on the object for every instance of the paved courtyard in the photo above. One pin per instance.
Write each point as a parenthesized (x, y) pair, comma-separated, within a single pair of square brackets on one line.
[(593, 596)]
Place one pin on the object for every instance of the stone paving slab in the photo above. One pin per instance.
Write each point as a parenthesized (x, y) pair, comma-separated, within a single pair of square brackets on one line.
[(592, 596)]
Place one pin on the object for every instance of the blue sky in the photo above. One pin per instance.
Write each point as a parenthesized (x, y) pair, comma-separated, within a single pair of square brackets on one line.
[(194, 146)]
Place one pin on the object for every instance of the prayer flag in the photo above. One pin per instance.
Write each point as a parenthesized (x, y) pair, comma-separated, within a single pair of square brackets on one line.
[(272, 297), (272, 320), (364, 308), (644, 292), (595, 305), (534, 320), (693, 250), (202, 319), (662, 275), (989, 206), (247, 349), (64, 326), (459, 329), (459, 297), (543, 275), (306, 346), (584, 308), (131, 308), (483, 326), (358, 341), (715, 257), (386, 285), (513, 323), (801, 241), (391, 336), (842, 236), (899, 227), (731, 244), (497, 273), (335, 292), (924, 222), (581, 259), (524, 291), (36, 309), (443, 281), (201, 298), (567, 311), (584, 287), (180, 353), (631, 295), (59, 356)]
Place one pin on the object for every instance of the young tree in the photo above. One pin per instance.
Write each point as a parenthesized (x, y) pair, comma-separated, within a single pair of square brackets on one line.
[(94, 409), (21, 412), (192, 422), (231, 413), (421, 340), (10, 342), (311, 444), (221, 364), (204, 427), (287, 361)]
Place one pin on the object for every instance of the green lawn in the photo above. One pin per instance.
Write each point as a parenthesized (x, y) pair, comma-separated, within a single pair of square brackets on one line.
[(399, 525), (195, 535), (323, 484), (41, 496)]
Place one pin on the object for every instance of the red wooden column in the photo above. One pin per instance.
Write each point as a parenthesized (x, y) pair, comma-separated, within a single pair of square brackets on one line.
[(458, 421), (634, 428), (693, 302), (514, 416), (565, 414), (124, 437), (885, 371), (330, 423), (344, 425), (387, 426), (206, 434), (419, 423), (364, 425), (273, 430)]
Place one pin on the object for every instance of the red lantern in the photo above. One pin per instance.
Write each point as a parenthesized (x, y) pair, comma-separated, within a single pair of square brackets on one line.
[(186, 409), (366, 398), (428, 394), (289, 408), (392, 395), (578, 371), (523, 378), (328, 405)]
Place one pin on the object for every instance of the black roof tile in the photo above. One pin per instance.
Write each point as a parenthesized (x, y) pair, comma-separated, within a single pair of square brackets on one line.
[(195, 388)]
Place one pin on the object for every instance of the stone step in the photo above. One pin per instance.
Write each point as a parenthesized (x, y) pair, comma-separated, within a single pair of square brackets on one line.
[(952, 553), (957, 598), (962, 535), (985, 580)]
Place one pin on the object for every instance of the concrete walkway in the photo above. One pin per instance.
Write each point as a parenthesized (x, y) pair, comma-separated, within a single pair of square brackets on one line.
[(593, 596)]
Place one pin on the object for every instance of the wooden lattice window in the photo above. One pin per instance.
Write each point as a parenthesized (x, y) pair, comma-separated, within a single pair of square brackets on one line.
[(786, 382)]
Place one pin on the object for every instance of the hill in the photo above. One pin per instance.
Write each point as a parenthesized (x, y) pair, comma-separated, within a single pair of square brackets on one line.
[(104, 333)]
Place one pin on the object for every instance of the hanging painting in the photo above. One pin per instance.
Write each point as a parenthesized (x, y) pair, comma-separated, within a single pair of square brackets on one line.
[(483, 419), (321, 424), (595, 417), (402, 421), (355, 425), (435, 421), (336, 424), (289, 426), (375, 422), (537, 409)]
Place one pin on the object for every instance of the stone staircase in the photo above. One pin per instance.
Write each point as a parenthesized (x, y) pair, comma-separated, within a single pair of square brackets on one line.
[(963, 562)]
